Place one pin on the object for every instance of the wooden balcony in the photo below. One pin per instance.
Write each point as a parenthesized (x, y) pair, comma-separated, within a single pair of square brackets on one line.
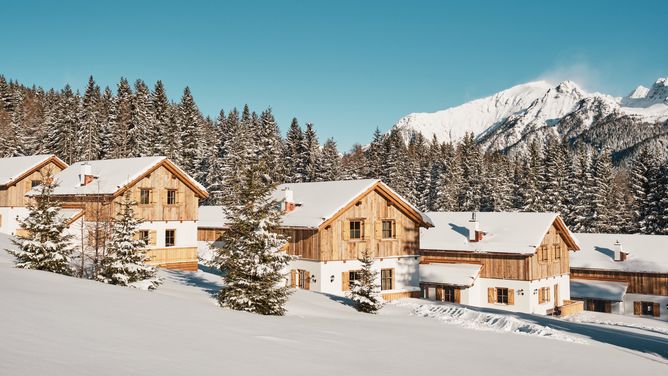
[(174, 258)]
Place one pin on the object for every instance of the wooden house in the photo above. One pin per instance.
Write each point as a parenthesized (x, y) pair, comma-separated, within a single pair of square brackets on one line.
[(18, 175), (622, 273), (167, 201), (329, 224), (511, 261)]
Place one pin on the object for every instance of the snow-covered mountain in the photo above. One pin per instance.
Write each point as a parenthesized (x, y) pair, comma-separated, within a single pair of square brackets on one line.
[(510, 118)]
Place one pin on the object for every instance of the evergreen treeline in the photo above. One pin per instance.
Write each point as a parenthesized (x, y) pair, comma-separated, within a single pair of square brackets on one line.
[(135, 120)]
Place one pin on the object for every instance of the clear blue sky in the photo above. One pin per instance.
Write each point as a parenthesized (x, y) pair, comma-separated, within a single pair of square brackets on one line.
[(346, 66)]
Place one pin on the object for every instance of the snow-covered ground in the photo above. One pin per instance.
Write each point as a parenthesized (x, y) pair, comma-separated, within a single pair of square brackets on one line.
[(56, 325)]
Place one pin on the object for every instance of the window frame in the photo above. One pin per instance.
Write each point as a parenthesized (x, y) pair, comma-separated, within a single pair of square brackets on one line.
[(175, 193), (148, 196), (384, 278), (544, 256), (35, 183), (352, 280), (359, 231), (557, 251), (173, 242), (502, 298), (147, 238), (391, 229)]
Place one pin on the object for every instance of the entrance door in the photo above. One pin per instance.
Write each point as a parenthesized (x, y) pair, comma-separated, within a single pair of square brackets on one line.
[(303, 279), (556, 295)]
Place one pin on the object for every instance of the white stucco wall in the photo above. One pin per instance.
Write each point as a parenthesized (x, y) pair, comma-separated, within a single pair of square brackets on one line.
[(9, 224), (627, 304), (328, 275)]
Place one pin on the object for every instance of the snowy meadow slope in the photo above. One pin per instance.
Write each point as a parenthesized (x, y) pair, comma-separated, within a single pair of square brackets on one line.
[(56, 325)]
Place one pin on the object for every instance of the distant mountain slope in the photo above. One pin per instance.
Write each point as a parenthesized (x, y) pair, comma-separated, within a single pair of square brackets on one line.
[(508, 120)]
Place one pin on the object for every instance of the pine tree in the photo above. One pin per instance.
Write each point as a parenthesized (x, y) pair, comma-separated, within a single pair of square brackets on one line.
[(353, 163), (553, 179), (164, 132), (374, 156), (107, 124), (329, 164), (270, 145), (311, 153), (124, 134), (532, 180), (143, 132), (644, 176), (62, 140), (124, 264), (470, 193), (45, 245), (88, 133), (394, 164), (365, 291), (602, 194), (295, 154), (251, 256), (190, 122)]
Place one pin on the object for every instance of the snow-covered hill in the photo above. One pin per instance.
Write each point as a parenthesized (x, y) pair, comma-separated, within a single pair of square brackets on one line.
[(56, 325), (506, 120)]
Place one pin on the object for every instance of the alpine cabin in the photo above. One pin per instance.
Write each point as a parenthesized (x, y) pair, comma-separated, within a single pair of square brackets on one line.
[(330, 224), (167, 201), (18, 175), (511, 261), (622, 273)]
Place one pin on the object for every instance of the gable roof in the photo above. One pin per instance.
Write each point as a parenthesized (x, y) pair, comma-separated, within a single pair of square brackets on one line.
[(509, 232), (645, 253), (318, 203), (15, 168), (114, 176)]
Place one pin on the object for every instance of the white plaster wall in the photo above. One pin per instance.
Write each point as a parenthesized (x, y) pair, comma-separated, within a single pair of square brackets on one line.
[(522, 294), (313, 267), (630, 298), (563, 281), (186, 232), (328, 277), (9, 223)]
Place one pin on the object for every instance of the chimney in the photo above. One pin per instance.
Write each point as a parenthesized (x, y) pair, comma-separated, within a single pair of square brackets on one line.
[(86, 174), (288, 200), (620, 255), (475, 235)]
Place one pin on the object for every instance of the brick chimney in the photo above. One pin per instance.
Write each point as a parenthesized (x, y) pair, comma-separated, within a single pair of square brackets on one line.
[(620, 255), (86, 174), (475, 235), (288, 200)]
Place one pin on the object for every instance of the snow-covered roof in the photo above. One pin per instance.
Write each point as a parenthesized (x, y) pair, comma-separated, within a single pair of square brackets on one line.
[(70, 214), (511, 232), (645, 253), (111, 175), (316, 202), (603, 290), (450, 274), (13, 168)]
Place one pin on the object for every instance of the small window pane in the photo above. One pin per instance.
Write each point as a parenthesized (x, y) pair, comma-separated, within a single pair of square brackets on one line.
[(386, 279), (171, 197), (355, 230), (145, 196), (35, 183), (169, 238), (387, 229), (502, 295)]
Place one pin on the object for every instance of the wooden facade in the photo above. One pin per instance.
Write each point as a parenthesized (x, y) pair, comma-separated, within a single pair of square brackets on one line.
[(639, 283), (371, 209), (550, 259), (13, 194), (332, 240)]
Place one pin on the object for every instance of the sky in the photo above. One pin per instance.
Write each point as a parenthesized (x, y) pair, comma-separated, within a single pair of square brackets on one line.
[(345, 66)]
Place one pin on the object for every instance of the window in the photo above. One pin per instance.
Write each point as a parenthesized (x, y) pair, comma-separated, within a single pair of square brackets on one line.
[(502, 295), (648, 308), (144, 196), (170, 238), (449, 294), (543, 295), (355, 229), (35, 183), (543, 253), (143, 235), (387, 279), (388, 229), (353, 276), (171, 197)]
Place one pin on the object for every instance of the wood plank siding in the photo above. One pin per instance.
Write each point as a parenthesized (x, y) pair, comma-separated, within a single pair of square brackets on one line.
[(371, 209), (639, 283), (512, 266), (13, 194)]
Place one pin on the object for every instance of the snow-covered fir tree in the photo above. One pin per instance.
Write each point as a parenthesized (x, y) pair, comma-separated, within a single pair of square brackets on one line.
[(45, 245), (124, 263), (251, 258), (311, 153), (365, 290), (88, 133), (295, 154), (329, 163)]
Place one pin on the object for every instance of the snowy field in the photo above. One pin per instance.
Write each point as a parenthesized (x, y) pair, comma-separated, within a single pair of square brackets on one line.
[(56, 325)]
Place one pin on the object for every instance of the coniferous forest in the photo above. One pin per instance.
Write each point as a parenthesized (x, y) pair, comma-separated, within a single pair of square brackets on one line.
[(132, 120)]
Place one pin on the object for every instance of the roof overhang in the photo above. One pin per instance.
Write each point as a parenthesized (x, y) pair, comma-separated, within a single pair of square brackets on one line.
[(52, 159)]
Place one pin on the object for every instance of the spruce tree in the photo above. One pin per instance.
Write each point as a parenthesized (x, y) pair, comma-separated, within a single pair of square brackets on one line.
[(45, 246), (365, 290), (124, 263), (470, 193), (251, 257), (329, 164), (311, 153), (190, 122), (295, 154), (161, 120), (88, 133), (373, 154)]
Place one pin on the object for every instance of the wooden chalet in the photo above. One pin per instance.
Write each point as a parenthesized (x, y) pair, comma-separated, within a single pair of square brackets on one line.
[(329, 224), (512, 261), (622, 273)]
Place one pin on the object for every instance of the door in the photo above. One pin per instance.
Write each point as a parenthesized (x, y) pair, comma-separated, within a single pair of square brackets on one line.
[(556, 295), (303, 279), (440, 294)]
